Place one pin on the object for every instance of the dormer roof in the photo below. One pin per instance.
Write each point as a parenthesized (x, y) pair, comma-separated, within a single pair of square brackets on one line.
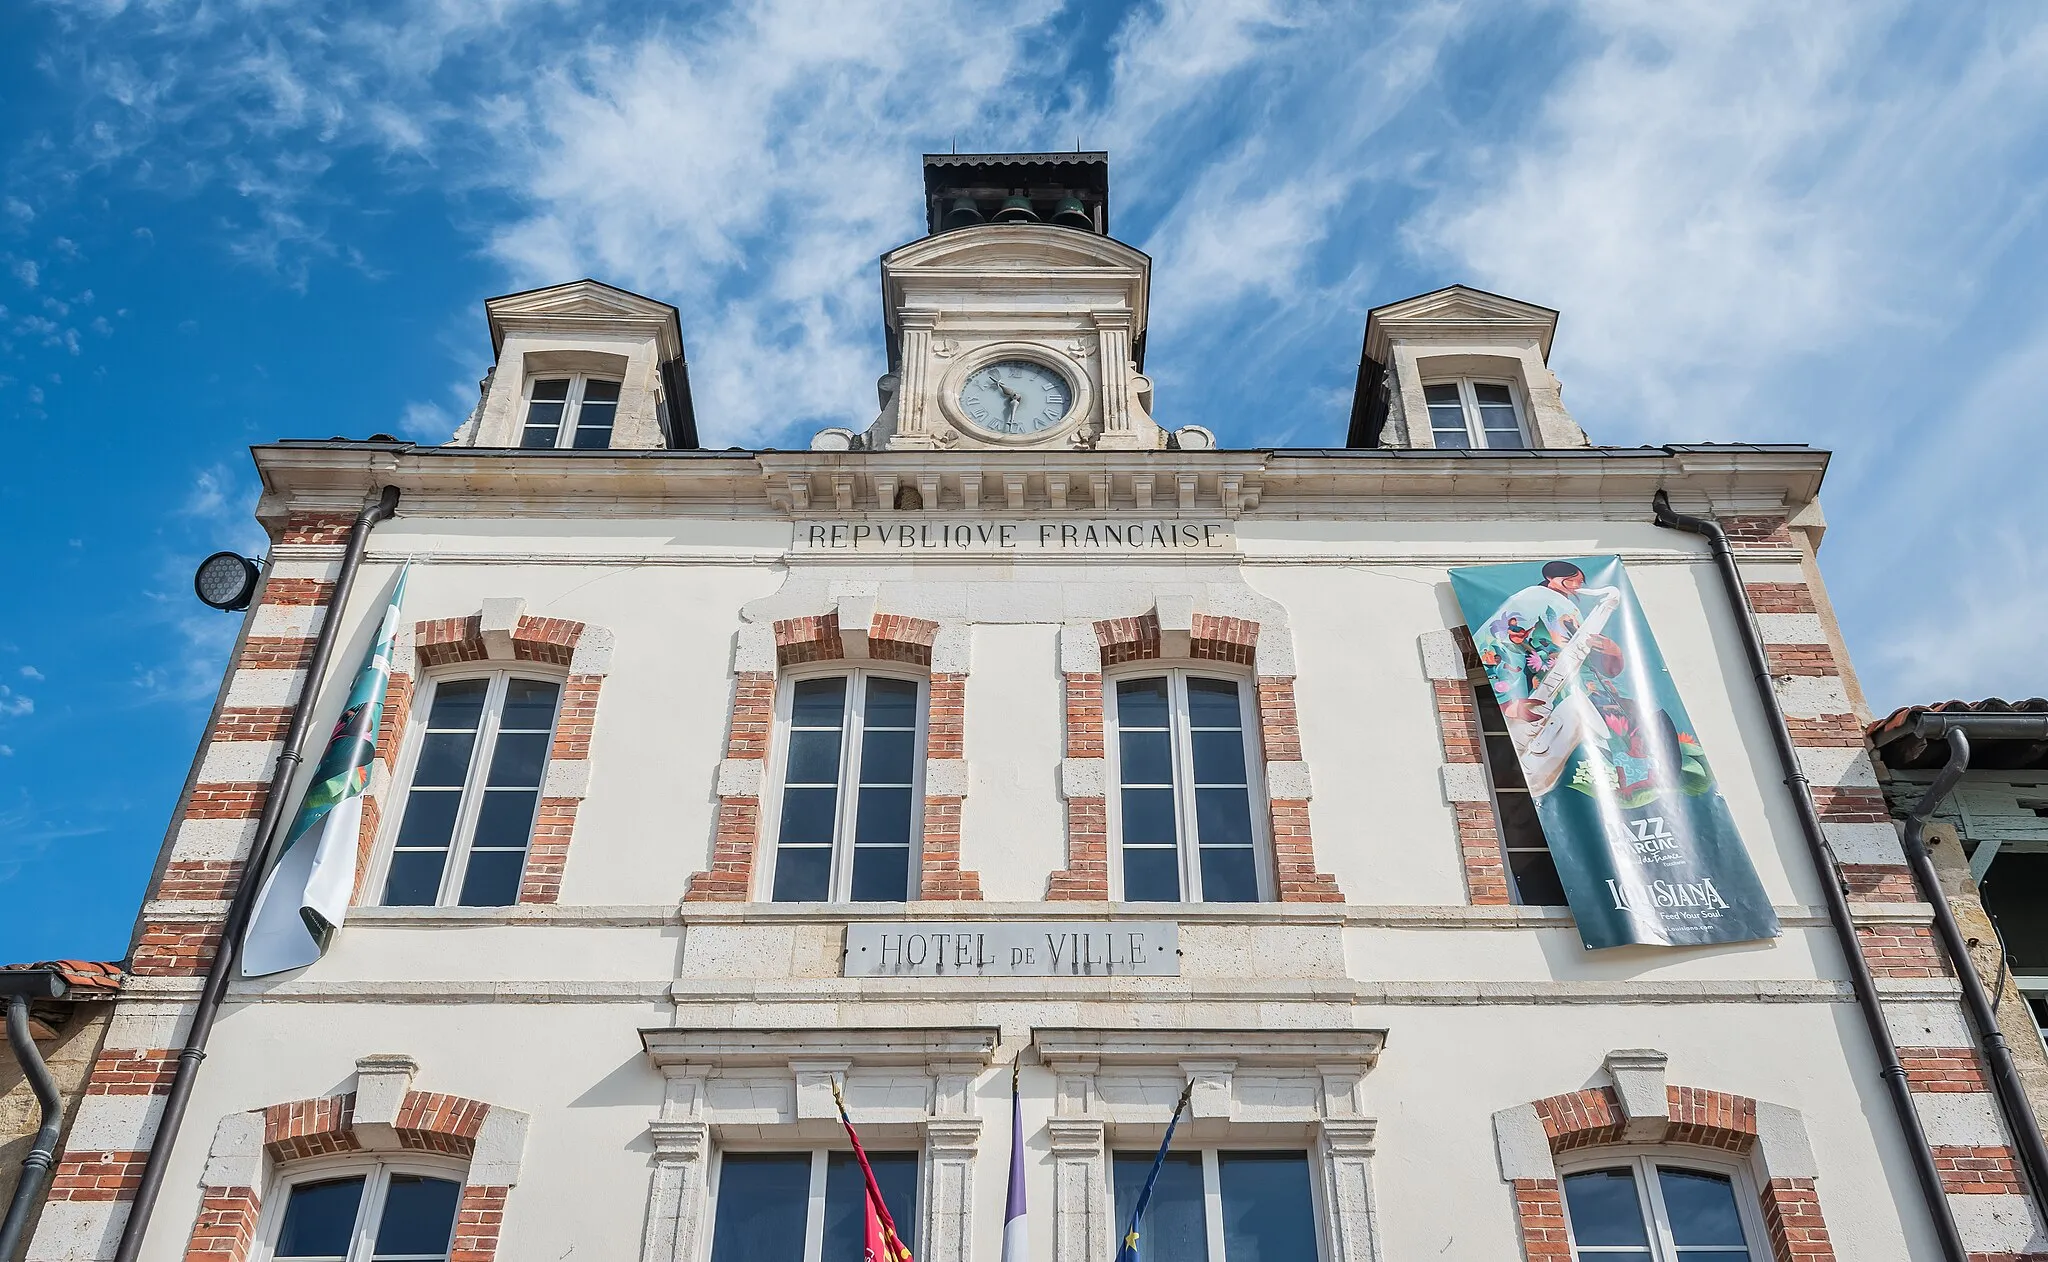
[(584, 304), (1458, 311)]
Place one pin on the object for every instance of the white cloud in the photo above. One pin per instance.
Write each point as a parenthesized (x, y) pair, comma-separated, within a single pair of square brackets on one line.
[(30, 672), (13, 705), (26, 271), (427, 423)]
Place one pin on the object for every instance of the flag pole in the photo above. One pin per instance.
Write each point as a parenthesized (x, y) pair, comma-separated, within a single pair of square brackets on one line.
[(892, 1240), (1127, 1250)]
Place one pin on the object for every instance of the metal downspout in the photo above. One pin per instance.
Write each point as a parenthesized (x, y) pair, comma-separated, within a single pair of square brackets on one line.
[(36, 1166), (253, 871), (1839, 918), (2012, 1093)]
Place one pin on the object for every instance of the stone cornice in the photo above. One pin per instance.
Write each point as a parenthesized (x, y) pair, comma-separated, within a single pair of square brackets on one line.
[(668, 1046), (1173, 1047), (1387, 485)]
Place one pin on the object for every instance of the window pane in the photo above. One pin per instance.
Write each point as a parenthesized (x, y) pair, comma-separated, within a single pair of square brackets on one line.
[(429, 817), (543, 423), (556, 388), (818, 702), (593, 432), (1229, 875), (1151, 874), (813, 757), (521, 759), (1223, 815), (881, 874), (884, 816), (1605, 1212), (1502, 761), (1141, 703), (414, 879), (1446, 415), (1147, 757), (1219, 757), (458, 703), (538, 436), (529, 705), (505, 821), (803, 874), (319, 1219), (1148, 816), (807, 815), (1451, 434), (846, 1199), (493, 878), (1492, 395), (760, 1213), (1536, 880), (1175, 1227), (1213, 703), (1519, 826), (1267, 1212), (1702, 1208), (892, 703), (444, 759), (419, 1217), (885, 757)]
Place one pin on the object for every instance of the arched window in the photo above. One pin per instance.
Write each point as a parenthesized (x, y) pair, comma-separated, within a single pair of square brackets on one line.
[(851, 763), (365, 1212), (1184, 754), (474, 777), (570, 412), (1469, 413), (1655, 1206)]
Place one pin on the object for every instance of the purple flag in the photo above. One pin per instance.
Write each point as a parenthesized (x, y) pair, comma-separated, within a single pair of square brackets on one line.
[(1016, 1237)]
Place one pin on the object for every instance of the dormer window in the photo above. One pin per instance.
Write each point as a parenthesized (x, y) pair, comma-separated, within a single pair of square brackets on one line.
[(570, 412), (1468, 413)]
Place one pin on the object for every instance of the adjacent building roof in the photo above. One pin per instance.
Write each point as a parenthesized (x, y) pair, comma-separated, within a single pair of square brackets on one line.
[(1904, 751), (88, 979)]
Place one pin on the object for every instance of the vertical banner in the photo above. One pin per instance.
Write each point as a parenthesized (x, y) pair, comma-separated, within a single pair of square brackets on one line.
[(1643, 840)]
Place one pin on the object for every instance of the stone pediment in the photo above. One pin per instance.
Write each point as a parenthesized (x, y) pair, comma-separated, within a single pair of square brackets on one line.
[(1017, 248), (1455, 310), (584, 304)]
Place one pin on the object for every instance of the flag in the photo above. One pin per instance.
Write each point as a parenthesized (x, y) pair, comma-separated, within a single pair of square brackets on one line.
[(884, 1244), (1016, 1236), (1128, 1250), (306, 895)]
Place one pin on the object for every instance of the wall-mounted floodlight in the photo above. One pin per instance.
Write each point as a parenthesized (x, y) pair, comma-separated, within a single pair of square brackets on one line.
[(226, 581)]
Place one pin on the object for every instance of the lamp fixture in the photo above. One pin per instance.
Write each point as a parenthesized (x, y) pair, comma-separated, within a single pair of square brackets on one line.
[(226, 581)]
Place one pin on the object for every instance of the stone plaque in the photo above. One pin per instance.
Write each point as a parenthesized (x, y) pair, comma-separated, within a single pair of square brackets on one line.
[(1136, 948), (899, 534)]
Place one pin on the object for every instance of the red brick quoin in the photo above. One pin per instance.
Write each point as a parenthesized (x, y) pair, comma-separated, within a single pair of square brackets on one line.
[(1702, 1119), (1211, 639), (449, 641), (817, 638), (427, 1122)]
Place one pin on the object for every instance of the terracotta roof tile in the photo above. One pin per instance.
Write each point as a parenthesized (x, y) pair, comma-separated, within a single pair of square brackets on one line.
[(86, 978)]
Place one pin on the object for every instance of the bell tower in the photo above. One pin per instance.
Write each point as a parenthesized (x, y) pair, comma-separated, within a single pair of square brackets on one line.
[(1016, 323)]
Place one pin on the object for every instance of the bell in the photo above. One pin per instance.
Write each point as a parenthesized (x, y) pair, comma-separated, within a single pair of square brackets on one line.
[(963, 213), (1070, 213), (1016, 210)]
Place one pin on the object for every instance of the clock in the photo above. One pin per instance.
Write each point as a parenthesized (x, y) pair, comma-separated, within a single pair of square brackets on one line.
[(1015, 397)]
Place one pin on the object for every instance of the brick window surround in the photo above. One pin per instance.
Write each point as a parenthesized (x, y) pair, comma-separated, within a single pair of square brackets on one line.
[(1207, 638), (1449, 659), (508, 636), (1641, 1109), (821, 638), (382, 1117)]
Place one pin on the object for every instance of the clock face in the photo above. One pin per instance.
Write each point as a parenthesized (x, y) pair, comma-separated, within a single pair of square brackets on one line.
[(1015, 396)]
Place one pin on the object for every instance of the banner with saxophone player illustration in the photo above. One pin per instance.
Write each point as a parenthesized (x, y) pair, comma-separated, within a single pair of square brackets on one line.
[(1644, 843)]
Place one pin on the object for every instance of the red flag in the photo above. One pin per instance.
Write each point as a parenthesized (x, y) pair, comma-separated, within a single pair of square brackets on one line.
[(884, 1243)]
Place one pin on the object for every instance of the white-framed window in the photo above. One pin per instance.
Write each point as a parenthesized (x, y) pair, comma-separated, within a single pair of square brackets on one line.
[(1220, 1205), (1634, 1205), (850, 767), (1532, 869), (1185, 757), (365, 1212), (812, 1206), (1469, 413), (473, 779), (570, 412)]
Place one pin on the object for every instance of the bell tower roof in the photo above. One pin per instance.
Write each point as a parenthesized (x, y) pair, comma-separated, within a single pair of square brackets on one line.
[(1070, 190)]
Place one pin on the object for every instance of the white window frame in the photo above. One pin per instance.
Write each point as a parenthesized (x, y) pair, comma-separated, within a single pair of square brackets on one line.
[(376, 1182), (1212, 1190), (814, 1204), (572, 407), (472, 788), (1644, 1160), (849, 774), (1468, 403), (1184, 775)]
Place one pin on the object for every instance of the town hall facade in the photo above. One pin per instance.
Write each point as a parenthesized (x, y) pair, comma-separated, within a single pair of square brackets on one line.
[(1023, 730)]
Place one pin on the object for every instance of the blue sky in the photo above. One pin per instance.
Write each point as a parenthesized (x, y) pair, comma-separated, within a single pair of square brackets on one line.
[(224, 222)]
